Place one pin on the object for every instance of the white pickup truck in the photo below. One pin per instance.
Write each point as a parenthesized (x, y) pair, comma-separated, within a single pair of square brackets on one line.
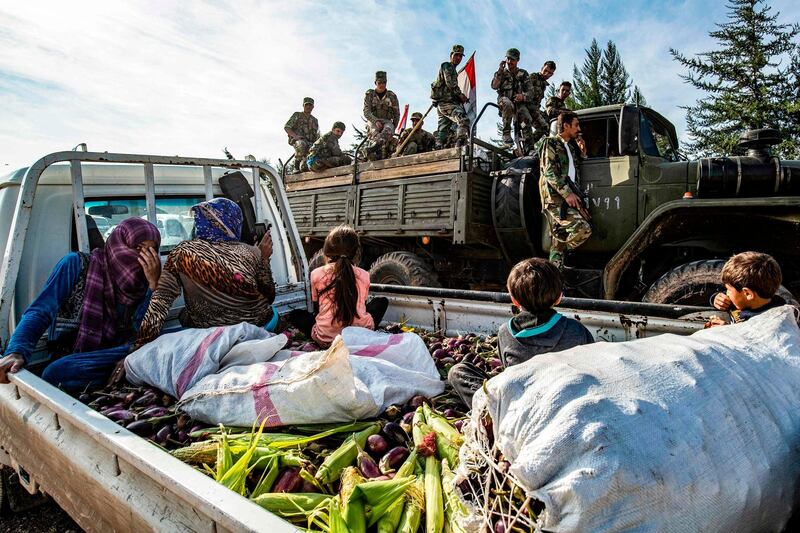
[(109, 479)]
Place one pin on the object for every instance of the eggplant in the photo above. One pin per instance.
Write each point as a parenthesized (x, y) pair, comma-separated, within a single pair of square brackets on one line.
[(369, 469), (182, 436), (395, 432), (435, 346), (393, 458), (146, 399), (164, 434), (440, 353), (307, 487), (153, 412), (85, 398), (450, 413), (288, 481), (500, 526), (408, 418), (140, 427), (417, 401), (377, 444), (121, 415), (495, 363), (458, 424)]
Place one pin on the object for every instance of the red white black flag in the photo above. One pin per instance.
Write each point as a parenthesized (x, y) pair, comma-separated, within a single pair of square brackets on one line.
[(466, 80)]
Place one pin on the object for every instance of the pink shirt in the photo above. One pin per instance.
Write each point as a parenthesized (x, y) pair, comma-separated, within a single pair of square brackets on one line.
[(326, 328)]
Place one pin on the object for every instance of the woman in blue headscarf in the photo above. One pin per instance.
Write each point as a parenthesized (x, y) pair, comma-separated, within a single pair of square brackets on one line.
[(223, 281)]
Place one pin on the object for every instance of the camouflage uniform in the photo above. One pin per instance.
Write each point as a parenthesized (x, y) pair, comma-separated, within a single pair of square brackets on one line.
[(508, 84), (554, 107), (420, 142), (307, 127), (568, 229), (446, 96), (382, 108), (538, 87), (326, 153)]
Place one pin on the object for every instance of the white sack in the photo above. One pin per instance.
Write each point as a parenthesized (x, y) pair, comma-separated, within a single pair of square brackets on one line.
[(668, 433), (336, 385), (174, 362)]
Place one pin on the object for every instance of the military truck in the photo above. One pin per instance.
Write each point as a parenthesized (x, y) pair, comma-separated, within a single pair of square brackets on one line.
[(662, 225)]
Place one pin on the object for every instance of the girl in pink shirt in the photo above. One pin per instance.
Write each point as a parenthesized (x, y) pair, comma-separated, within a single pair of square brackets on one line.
[(339, 291)]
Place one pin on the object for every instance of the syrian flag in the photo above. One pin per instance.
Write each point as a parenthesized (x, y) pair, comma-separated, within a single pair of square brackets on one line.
[(466, 80), (402, 125)]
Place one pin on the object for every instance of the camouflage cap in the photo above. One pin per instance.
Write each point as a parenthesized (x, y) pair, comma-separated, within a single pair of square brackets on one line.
[(457, 49), (416, 116), (512, 53), (339, 125), (308, 100), (380, 76)]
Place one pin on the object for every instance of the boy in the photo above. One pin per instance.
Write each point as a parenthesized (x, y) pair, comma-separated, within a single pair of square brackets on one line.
[(751, 280), (535, 286)]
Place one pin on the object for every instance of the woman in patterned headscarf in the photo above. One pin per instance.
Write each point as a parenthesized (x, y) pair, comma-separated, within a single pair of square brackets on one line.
[(223, 280), (92, 305)]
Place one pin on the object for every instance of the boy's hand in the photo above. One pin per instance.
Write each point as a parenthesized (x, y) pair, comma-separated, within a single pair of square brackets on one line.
[(714, 321), (266, 246), (722, 302), (10, 364)]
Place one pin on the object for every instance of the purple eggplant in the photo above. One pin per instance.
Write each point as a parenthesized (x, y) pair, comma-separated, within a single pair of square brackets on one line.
[(140, 427), (154, 412), (121, 415), (369, 469), (164, 434), (450, 413), (376, 444), (288, 481), (435, 346), (408, 418), (182, 436), (417, 401), (145, 399), (500, 527), (458, 424), (393, 459), (395, 432), (495, 363), (440, 353)]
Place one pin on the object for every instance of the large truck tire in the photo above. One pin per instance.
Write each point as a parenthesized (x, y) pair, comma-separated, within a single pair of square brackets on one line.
[(403, 268), (693, 284), (516, 211)]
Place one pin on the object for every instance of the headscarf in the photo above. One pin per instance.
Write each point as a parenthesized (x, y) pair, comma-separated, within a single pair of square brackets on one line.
[(114, 277), (218, 220)]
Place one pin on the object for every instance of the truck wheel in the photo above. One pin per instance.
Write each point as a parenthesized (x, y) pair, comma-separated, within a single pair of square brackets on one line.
[(402, 268), (689, 284)]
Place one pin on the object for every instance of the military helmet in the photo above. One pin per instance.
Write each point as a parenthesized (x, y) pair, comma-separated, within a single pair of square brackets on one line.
[(308, 100), (338, 124), (512, 53), (380, 76), (416, 116), (457, 49)]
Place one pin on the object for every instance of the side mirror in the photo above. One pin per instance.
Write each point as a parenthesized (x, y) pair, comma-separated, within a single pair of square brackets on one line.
[(629, 130), (108, 211)]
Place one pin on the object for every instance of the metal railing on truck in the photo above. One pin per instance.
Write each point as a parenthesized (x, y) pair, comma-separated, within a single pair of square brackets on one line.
[(106, 477)]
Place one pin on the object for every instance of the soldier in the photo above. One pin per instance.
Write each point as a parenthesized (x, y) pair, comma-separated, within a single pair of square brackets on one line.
[(326, 152), (449, 100), (557, 104), (560, 178), (302, 129), (421, 141), (538, 87), (382, 112), (513, 96)]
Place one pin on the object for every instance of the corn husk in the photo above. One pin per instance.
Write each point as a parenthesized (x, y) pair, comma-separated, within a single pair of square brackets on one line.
[(344, 455), (434, 505), (415, 503)]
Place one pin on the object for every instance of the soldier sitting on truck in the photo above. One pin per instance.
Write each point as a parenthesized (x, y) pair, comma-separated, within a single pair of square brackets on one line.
[(91, 306), (535, 287), (382, 111), (326, 152), (513, 92), (559, 188), (557, 104), (538, 86), (421, 141), (302, 129)]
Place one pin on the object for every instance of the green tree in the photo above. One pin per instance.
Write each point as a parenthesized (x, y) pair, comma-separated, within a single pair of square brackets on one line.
[(586, 81), (615, 83), (747, 81), (637, 97)]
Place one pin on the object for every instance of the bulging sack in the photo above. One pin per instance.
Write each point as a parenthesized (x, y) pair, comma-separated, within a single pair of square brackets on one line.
[(361, 374), (174, 362), (668, 433)]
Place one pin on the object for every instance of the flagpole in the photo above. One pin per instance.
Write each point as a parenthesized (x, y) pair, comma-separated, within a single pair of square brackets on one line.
[(416, 127)]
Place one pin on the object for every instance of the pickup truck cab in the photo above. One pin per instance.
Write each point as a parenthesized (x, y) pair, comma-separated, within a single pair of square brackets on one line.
[(104, 476)]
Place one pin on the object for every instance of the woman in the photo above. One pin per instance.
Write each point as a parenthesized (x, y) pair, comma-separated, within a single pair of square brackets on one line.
[(223, 280), (92, 305)]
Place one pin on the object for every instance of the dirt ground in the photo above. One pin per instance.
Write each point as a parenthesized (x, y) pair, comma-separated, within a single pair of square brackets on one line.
[(48, 518)]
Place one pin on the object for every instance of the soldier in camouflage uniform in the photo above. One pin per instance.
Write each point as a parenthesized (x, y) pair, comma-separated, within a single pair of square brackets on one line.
[(538, 87), (382, 111), (513, 92), (449, 100), (421, 141), (326, 152), (302, 129), (557, 104), (563, 208)]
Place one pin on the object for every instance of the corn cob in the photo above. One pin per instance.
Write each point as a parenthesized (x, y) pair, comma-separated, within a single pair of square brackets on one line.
[(288, 505), (234, 477), (454, 508), (415, 503), (380, 496), (434, 506), (416, 433), (353, 505), (442, 426), (388, 522), (344, 455)]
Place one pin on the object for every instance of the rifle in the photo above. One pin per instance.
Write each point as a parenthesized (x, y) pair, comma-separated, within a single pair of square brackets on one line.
[(416, 127), (582, 197)]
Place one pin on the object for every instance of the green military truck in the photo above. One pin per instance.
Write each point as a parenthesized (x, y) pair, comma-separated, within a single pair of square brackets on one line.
[(662, 225)]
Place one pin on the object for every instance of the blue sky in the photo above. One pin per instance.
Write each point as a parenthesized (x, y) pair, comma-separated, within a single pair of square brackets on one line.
[(189, 78)]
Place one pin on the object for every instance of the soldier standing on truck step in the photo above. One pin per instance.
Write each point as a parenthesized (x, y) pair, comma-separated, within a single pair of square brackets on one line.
[(382, 111), (302, 129), (557, 104), (559, 187), (539, 83), (449, 100), (421, 141), (513, 96), (325, 153)]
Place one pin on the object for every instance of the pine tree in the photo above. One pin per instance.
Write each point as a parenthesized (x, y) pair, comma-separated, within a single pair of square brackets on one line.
[(614, 80), (745, 83), (637, 97), (586, 81)]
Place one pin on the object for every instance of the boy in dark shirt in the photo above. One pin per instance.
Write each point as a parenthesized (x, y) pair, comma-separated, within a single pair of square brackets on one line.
[(535, 286), (751, 280)]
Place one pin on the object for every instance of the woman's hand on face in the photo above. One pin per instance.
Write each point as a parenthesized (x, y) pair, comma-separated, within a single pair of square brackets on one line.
[(265, 245), (151, 264)]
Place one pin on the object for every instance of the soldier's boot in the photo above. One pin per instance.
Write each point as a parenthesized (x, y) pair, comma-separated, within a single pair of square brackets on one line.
[(508, 140), (304, 166)]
